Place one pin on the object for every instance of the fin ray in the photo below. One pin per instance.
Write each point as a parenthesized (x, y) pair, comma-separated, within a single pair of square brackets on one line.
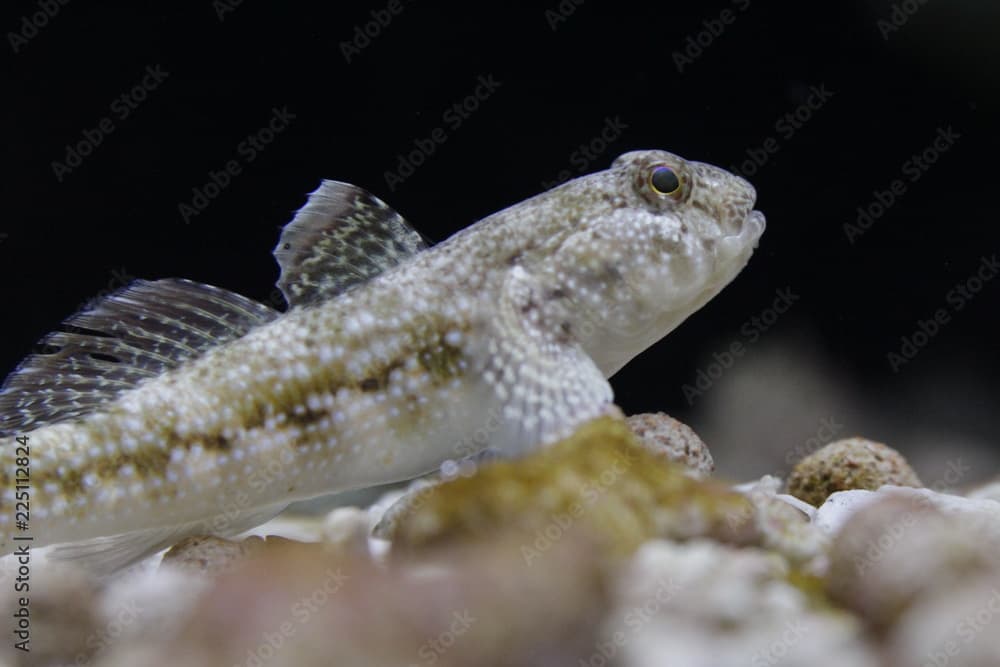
[(103, 556), (342, 237), (136, 333)]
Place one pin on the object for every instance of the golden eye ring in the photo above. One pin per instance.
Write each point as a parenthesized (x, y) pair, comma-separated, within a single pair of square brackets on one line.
[(665, 181)]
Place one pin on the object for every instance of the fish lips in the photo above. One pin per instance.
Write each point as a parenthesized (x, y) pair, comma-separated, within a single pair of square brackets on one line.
[(753, 226), (735, 249)]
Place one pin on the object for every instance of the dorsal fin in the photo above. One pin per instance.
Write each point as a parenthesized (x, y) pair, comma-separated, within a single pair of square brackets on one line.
[(343, 236), (133, 334)]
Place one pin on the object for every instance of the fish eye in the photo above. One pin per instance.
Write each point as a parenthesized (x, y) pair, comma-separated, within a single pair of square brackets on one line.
[(664, 180)]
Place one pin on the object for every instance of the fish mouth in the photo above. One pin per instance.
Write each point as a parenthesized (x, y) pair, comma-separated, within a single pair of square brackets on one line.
[(755, 224), (748, 229), (744, 241)]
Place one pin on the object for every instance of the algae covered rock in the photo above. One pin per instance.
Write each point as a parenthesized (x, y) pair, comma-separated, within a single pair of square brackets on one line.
[(852, 463), (600, 481), (673, 440)]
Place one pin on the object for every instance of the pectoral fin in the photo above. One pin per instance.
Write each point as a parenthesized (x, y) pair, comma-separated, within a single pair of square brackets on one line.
[(543, 378), (103, 556)]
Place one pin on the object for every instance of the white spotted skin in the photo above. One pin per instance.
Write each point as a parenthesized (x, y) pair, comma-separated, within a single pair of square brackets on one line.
[(499, 338)]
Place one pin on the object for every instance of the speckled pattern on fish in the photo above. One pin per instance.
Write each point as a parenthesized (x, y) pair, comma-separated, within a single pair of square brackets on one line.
[(172, 408)]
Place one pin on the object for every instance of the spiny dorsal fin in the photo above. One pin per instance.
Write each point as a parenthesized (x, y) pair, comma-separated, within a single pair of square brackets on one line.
[(343, 236), (136, 333)]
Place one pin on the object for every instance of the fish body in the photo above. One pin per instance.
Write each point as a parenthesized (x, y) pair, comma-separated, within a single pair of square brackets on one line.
[(173, 408)]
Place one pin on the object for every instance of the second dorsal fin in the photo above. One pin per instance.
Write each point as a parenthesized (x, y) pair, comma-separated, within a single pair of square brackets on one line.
[(343, 236), (136, 333)]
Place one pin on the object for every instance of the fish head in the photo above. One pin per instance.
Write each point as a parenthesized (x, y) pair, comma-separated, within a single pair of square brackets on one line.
[(654, 238)]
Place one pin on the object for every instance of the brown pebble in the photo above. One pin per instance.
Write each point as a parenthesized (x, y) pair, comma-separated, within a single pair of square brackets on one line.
[(673, 440), (852, 463)]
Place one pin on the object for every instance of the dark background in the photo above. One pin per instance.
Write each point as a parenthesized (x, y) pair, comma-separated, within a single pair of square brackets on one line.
[(820, 371)]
